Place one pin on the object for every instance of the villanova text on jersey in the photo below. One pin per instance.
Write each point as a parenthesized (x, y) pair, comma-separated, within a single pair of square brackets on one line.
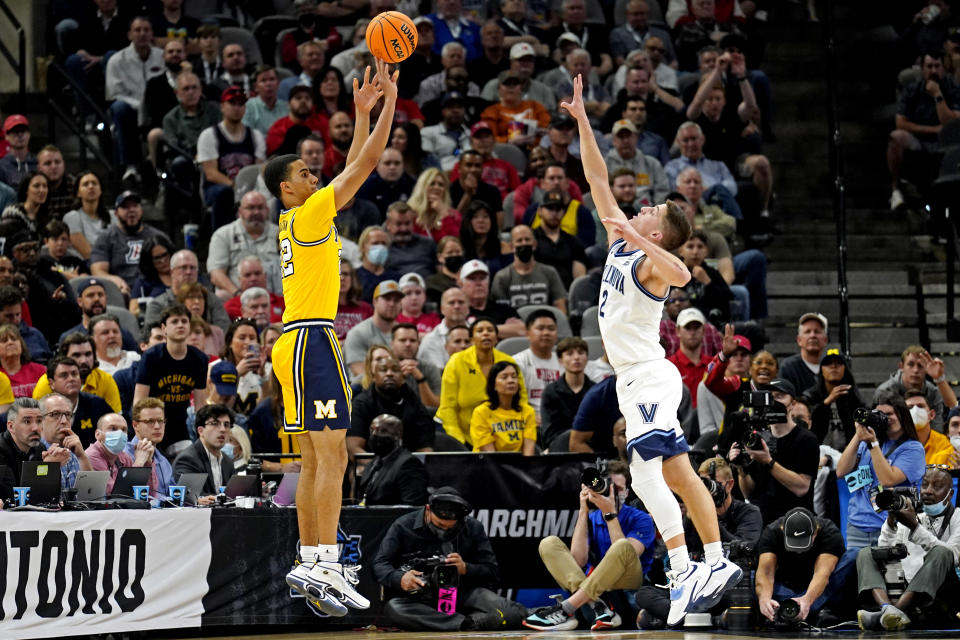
[(613, 276)]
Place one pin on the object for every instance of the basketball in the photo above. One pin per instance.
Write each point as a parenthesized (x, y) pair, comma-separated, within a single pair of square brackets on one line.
[(391, 36)]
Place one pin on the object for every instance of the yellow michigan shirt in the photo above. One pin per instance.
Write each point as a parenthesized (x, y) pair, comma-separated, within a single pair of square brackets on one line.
[(98, 382), (505, 428), (6, 390)]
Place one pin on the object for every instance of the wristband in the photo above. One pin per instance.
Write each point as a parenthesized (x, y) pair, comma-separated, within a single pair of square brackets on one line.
[(770, 464), (721, 357), (940, 380), (739, 78), (871, 444), (609, 516), (420, 381), (938, 99)]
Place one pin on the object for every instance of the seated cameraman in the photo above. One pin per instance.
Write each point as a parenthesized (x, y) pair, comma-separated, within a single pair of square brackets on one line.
[(740, 527), (798, 554), (613, 540), (932, 540), (776, 468), (442, 539), (394, 476)]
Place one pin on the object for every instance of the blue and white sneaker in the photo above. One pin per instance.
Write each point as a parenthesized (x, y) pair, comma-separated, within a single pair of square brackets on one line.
[(723, 575), (685, 588), (550, 619), (319, 597)]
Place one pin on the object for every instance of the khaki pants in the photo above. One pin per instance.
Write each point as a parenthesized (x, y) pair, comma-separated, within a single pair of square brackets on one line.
[(620, 568)]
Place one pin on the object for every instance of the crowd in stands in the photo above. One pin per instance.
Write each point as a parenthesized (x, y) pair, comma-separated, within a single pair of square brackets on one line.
[(472, 259)]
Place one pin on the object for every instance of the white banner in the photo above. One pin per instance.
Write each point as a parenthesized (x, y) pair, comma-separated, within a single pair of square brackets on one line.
[(77, 573)]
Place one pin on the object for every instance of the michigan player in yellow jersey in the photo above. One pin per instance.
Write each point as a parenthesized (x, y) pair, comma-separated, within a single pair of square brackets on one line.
[(306, 358)]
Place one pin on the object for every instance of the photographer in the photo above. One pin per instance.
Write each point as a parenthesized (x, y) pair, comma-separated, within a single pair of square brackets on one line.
[(613, 539), (429, 552), (932, 540), (798, 554), (833, 399)]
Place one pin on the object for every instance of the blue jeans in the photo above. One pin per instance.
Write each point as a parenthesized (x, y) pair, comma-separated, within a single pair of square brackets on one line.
[(750, 268), (721, 196), (740, 305), (126, 144), (856, 539), (781, 592)]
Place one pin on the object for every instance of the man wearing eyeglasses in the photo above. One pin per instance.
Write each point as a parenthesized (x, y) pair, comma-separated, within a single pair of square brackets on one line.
[(55, 429), (214, 422), (185, 269), (149, 424), (64, 376)]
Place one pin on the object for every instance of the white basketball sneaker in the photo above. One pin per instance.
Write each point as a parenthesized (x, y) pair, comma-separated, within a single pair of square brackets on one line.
[(317, 596), (685, 587), (723, 575), (330, 578)]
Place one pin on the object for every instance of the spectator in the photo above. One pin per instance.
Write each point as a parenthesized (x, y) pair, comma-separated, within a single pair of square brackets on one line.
[(194, 298), (447, 138), (301, 115), (421, 377), (449, 260), (60, 184), (11, 306), (206, 455), (802, 368), (411, 307), (234, 69), (311, 57), (449, 25), (715, 174), (454, 308), (389, 184), (375, 329), (593, 424), (109, 451), (116, 253), (915, 365), (707, 289), (242, 350), (495, 57), (341, 137), (409, 251), (662, 106), (91, 218), (407, 140), (526, 281), (649, 143), (467, 184), (573, 16), (223, 150), (18, 161), (57, 418), (255, 305), (160, 95), (465, 379), (92, 301), (57, 254), (577, 63), (105, 331), (561, 399), (185, 121), (15, 362), (559, 143), (252, 233), (310, 28), (664, 74), (311, 150), (128, 71), (922, 110), (444, 523), (98, 32), (703, 24), (833, 400), (351, 310), (251, 274), (22, 442), (387, 394), (718, 394), (185, 270), (422, 62), (504, 422), (394, 476), (936, 446), (374, 247), (149, 425), (522, 65), (690, 358), (480, 236), (513, 119), (150, 335), (475, 282), (452, 54), (170, 371), (208, 64), (556, 246), (264, 108), (430, 201), (82, 349), (652, 184), (711, 218), (63, 373), (538, 362), (933, 541), (798, 555), (31, 211), (172, 24), (548, 175)]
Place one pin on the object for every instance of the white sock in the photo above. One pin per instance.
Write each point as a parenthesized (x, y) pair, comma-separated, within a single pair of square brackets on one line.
[(327, 553), (713, 552), (308, 554), (679, 558)]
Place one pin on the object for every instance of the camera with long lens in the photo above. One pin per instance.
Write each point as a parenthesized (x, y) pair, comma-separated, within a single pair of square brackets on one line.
[(717, 493), (889, 561), (751, 428), (788, 614), (898, 498), (436, 573), (874, 419), (741, 612), (595, 479)]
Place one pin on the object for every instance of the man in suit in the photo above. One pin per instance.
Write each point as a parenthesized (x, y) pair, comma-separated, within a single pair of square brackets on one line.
[(206, 455), (394, 476)]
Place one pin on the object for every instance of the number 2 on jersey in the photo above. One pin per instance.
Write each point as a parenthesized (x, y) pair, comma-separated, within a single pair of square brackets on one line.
[(603, 295), (286, 257)]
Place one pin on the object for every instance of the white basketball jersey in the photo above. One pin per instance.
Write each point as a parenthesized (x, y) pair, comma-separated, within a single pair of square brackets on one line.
[(629, 315)]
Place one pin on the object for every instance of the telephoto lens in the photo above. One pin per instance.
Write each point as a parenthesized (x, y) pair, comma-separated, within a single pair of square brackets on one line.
[(594, 480)]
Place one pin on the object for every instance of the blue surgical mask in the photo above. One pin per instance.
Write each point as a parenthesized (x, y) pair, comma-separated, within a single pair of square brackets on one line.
[(227, 450), (377, 254), (115, 441), (934, 510)]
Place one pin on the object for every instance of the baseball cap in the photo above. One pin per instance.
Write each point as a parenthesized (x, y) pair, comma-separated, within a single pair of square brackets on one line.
[(481, 126), (16, 120), (690, 314), (782, 385), (819, 317), (386, 287), (473, 266), (742, 342), (733, 41), (620, 125), (224, 376), (234, 94), (18, 238), (86, 284), (124, 196), (566, 36), (300, 88), (419, 20), (521, 49), (553, 200), (799, 526), (412, 278), (451, 96), (833, 353), (562, 121)]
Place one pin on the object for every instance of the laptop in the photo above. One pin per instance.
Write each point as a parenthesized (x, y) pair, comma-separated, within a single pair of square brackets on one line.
[(286, 495), (91, 485), (239, 486), (194, 483), (128, 478), (43, 479)]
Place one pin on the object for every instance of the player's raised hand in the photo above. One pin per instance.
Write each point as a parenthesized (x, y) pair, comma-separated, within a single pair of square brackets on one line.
[(730, 343), (388, 83), (626, 230), (575, 107), (365, 96)]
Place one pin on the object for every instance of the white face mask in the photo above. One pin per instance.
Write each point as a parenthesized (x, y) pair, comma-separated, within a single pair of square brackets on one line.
[(921, 417)]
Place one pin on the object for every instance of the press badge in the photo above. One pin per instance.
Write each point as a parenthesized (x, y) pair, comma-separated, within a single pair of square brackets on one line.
[(859, 479)]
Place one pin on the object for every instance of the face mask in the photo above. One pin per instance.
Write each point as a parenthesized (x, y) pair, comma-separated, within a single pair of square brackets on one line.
[(227, 450), (307, 21), (445, 535), (921, 418), (453, 263), (524, 253), (933, 510), (115, 441), (381, 445), (955, 441), (377, 254)]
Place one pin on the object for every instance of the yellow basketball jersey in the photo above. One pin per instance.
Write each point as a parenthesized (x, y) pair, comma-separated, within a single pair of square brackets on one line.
[(310, 259)]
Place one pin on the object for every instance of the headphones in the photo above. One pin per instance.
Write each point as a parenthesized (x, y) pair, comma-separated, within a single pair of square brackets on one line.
[(448, 502)]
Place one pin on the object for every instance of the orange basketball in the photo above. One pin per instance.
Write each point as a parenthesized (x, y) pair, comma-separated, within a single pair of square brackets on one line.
[(391, 36)]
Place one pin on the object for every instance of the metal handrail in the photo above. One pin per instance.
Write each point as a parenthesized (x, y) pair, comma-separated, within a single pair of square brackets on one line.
[(86, 102), (19, 64)]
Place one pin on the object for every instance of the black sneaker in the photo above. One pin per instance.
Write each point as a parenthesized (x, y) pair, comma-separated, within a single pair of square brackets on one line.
[(491, 621), (605, 617), (550, 619), (649, 622)]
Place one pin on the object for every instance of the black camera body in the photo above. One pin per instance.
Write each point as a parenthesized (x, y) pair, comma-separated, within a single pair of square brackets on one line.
[(876, 420), (436, 573), (889, 554), (717, 492), (788, 614), (897, 499), (751, 429)]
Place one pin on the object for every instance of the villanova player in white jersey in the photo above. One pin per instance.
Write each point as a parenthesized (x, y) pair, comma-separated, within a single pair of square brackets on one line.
[(637, 277)]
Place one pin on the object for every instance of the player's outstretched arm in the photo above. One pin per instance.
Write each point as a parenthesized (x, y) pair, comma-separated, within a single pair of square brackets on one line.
[(364, 99), (346, 185), (594, 168)]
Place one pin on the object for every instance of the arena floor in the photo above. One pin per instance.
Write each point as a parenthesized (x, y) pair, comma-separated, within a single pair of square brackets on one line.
[(609, 635)]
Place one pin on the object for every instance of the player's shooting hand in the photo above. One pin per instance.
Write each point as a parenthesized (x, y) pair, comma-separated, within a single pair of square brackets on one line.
[(729, 342), (626, 230), (365, 96), (456, 559), (388, 83), (411, 580), (576, 107)]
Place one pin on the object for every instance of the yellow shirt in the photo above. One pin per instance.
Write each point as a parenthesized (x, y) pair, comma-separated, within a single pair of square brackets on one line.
[(462, 388), (505, 428), (568, 223), (98, 382), (310, 259), (937, 448), (6, 389)]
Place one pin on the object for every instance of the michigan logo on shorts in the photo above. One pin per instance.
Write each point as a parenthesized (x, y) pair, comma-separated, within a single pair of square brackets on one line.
[(325, 410), (648, 411)]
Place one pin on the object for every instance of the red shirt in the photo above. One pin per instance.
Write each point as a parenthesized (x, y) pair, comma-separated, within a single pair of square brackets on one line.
[(25, 379), (317, 122), (497, 172), (425, 321), (712, 340), (331, 158), (406, 110), (449, 226), (349, 316), (277, 305), (691, 372)]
